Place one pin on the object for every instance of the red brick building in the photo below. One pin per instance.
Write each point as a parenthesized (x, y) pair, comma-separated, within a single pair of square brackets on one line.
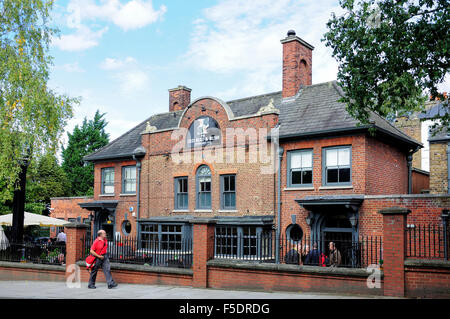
[(210, 158)]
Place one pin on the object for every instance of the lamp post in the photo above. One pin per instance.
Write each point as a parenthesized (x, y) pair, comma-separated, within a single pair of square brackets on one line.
[(19, 202)]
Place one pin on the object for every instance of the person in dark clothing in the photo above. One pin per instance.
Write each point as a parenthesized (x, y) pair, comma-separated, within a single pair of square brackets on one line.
[(313, 256), (292, 257)]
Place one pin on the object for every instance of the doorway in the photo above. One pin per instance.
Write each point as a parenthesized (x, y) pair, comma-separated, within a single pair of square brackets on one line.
[(338, 229), (105, 221)]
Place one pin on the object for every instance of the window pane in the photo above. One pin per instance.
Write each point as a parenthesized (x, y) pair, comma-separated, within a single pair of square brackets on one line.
[(344, 156), (344, 175), (332, 176), (307, 177), (296, 177), (296, 160), (331, 157), (204, 170), (306, 159), (109, 190), (232, 183), (226, 183)]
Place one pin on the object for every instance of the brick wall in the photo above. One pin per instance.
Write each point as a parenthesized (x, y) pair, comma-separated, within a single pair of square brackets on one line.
[(438, 168), (413, 128), (430, 279), (221, 277)]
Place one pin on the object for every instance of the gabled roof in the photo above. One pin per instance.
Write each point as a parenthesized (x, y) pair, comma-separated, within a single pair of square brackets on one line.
[(124, 146), (315, 110)]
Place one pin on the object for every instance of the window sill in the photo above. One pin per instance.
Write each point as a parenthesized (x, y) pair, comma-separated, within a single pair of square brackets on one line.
[(181, 211), (132, 194), (336, 187), (107, 195), (228, 211), (306, 188), (203, 211)]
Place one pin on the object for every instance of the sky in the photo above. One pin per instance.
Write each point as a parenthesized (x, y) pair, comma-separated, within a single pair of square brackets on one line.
[(122, 56)]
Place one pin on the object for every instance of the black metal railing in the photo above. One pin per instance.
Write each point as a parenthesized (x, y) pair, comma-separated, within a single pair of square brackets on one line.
[(53, 253), (130, 250), (335, 252), (430, 241), (361, 253)]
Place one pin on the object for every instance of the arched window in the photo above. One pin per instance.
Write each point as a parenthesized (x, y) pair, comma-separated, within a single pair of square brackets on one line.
[(204, 187)]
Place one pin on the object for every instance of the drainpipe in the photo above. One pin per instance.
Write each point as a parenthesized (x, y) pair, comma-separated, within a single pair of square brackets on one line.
[(448, 168), (138, 192), (409, 163), (277, 245), (139, 153)]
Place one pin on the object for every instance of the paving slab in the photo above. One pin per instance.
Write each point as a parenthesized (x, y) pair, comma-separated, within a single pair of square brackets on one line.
[(59, 290)]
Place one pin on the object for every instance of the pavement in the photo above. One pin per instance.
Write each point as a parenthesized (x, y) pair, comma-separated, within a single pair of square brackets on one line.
[(59, 290)]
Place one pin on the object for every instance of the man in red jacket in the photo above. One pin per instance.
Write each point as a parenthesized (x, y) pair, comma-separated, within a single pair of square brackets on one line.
[(99, 249)]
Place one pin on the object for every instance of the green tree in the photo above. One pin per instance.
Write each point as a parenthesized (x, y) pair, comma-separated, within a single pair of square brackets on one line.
[(46, 180), (32, 116), (390, 53), (83, 141)]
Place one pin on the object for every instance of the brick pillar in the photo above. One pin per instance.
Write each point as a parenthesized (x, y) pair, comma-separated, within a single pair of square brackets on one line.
[(394, 249), (75, 232), (203, 250)]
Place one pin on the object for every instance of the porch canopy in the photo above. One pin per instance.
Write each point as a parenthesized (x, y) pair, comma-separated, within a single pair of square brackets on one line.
[(109, 205), (323, 211), (315, 203)]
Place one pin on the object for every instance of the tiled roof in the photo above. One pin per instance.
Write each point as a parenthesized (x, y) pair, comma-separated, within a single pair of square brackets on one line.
[(316, 109), (124, 146), (313, 110)]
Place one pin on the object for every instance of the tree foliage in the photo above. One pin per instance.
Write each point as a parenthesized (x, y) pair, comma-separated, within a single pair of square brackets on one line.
[(46, 180), (32, 116), (390, 53), (83, 141)]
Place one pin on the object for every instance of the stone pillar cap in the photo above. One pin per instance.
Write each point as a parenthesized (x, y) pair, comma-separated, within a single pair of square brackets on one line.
[(395, 211)]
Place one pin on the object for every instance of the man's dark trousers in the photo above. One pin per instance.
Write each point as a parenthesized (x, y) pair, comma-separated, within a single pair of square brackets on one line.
[(106, 266)]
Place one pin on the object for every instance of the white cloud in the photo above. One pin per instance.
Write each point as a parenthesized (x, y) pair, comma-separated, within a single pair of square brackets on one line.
[(80, 14), (131, 76), (71, 67), (83, 38), (131, 15), (137, 14), (243, 36), (114, 64)]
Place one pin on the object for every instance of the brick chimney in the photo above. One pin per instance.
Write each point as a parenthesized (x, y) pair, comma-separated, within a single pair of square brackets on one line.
[(297, 64), (179, 98)]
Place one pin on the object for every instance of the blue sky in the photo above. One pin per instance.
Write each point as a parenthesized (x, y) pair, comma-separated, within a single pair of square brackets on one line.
[(121, 56)]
